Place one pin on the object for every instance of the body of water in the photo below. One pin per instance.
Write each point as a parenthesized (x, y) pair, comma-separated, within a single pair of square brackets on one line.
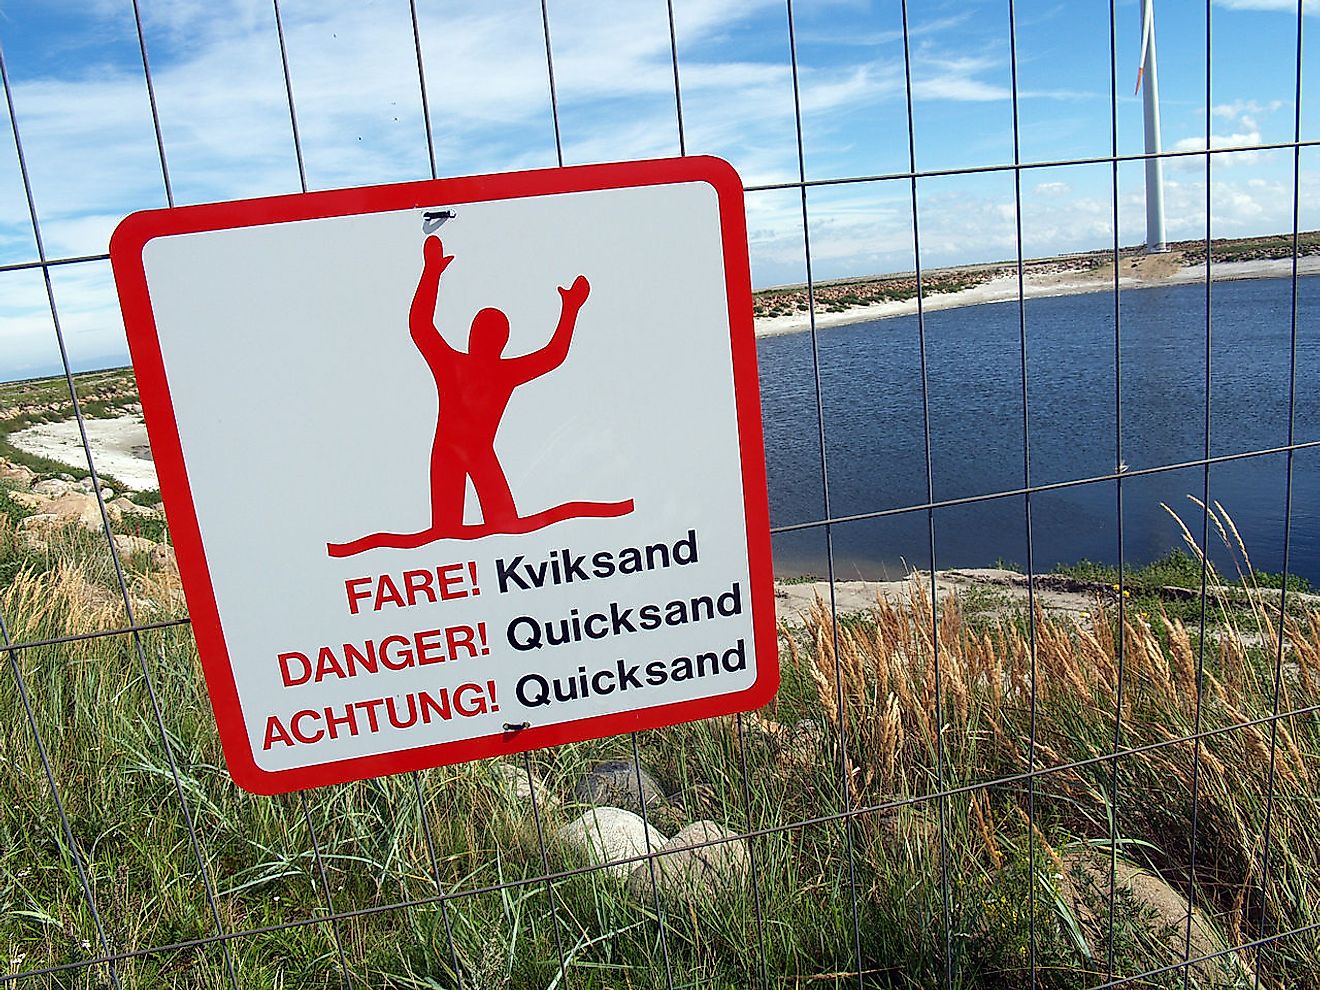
[(870, 376)]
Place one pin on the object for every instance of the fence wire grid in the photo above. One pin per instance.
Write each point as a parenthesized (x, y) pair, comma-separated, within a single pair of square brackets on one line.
[(343, 869)]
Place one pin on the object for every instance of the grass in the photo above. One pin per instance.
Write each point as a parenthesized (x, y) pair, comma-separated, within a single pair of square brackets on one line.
[(1172, 583), (1176, 569), (800, 579), (871, 711), (1013, 888), (1271, 247), (839, 296)]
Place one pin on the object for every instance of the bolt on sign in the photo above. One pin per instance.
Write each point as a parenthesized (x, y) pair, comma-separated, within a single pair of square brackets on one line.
[(459, 468)]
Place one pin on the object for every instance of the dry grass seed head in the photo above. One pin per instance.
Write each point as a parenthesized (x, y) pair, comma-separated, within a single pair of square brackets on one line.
[(985, 825), (1092, 653), (1181, 656), (58, 602), (1304, 642)]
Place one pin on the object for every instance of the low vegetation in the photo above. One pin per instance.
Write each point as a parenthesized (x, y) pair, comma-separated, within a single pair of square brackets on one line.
[(865, 716), (840, 295), (1272, 247), (837, 297)]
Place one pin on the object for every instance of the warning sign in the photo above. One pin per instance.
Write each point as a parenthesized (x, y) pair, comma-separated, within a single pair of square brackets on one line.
[(459, 468)]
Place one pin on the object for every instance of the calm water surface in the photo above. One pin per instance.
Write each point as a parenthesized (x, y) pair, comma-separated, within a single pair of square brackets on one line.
[(875, 447)]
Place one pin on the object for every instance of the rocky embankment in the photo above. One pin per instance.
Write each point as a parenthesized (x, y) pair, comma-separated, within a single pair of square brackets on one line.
[(53, 509)]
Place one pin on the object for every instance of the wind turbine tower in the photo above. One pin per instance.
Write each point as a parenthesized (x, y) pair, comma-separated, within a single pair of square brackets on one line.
[(1154, 164)]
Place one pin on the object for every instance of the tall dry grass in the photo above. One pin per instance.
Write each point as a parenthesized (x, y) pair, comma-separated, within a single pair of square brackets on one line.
[(945, 761), (1033, 710)]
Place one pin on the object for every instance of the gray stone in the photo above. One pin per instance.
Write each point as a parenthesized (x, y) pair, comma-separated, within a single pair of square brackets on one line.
[(706, 872), (42, 520), (37, 531), (511, 781), (607, 835), (1146, 900), (615, 783), (52, 488)]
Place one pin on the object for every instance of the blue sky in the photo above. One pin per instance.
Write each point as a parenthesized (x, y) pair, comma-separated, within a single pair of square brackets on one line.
[(85, 120)]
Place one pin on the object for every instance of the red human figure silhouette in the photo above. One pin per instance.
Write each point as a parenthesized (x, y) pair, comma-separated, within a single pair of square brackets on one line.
[(474, 388)]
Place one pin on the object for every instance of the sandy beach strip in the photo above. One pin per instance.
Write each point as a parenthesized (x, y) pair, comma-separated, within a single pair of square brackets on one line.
[(119, 448), (1004, 288)]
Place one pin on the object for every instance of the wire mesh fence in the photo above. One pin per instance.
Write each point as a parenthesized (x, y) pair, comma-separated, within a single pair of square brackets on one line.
[(932, 801)]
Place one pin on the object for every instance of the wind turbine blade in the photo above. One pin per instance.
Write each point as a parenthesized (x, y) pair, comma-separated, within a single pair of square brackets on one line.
[(1147, 29)]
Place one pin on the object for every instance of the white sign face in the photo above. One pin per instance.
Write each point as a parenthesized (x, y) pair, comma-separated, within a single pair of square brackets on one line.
[(459, 468)]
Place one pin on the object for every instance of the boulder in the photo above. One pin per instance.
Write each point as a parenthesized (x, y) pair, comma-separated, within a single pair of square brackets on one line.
[(52, 487), (69, 507), (1143, 900), (689, 871), (123, 507), (37, 522), (16, 473), (607, 835), (83, 508), (36, 531), (615, 783), (510, 780), (30, 500)]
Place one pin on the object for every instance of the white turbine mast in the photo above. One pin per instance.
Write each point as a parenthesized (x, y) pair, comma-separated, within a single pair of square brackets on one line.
[(1154, 165)]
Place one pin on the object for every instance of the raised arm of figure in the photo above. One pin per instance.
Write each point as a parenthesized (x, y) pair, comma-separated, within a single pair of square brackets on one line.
[(421, 316), (552, 355)]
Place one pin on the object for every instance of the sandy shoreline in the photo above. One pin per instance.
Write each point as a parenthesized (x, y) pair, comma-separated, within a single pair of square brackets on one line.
[(119, 447), (1004, 288)]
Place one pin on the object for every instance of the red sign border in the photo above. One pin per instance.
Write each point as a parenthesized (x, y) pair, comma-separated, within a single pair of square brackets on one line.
[(126, 249)]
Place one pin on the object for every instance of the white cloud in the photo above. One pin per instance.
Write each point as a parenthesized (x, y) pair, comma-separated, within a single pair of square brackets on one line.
[(1245, 139), (868, 229), (1240, 109), (1281, 6), (960, 78)]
